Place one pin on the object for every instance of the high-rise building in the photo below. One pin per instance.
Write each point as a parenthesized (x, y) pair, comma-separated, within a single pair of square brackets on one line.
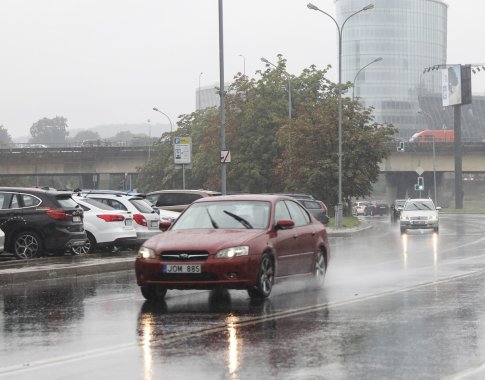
[(409, 35)]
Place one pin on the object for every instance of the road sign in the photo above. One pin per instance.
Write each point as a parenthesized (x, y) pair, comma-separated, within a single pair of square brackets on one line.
[(225, 156), (182, 150), (419, 170)]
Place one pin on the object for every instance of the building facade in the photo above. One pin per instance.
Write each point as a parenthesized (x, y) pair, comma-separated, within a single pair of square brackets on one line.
[(409, 36)]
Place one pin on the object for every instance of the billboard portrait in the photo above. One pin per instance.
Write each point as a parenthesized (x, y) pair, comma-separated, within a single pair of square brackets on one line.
[(451, 85)]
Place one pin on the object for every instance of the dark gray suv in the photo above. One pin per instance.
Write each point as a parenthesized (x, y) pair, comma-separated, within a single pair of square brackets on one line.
[(40, 220)]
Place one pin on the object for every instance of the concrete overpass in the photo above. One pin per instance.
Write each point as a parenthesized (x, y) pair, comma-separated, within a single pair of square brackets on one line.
[(95, 165)]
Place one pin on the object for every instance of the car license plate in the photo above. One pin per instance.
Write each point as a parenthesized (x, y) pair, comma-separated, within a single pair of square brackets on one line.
[(154, 223), (76, 218), (419, 222), (181, 268)]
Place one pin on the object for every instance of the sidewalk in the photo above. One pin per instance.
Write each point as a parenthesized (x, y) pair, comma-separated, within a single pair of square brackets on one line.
[(53, 268)]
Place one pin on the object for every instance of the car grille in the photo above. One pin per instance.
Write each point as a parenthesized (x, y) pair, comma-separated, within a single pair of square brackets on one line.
[(418, 218), (187, 256)]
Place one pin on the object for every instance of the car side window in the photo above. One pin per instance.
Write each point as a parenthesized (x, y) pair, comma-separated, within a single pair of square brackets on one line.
[(281, 211), (29, 200), (3, 201), (298, 214), (14, 202)]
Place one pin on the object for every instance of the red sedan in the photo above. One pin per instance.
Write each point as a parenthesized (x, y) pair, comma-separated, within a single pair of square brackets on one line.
[(244, 242)]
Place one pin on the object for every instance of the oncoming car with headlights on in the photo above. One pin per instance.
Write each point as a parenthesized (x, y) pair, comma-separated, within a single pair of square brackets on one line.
[(245, 242)]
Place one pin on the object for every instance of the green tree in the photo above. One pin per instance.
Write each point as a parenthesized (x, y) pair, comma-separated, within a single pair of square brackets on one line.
[(5, 138), (85, 135), (270, 154), (49, 131)]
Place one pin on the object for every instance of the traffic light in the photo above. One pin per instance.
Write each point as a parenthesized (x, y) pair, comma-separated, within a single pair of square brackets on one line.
[(420, 183), (400, 147)]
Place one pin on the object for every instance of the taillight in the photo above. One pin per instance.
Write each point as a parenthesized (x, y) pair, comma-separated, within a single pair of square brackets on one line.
[(111, 217), (58, 214), (140, 219)]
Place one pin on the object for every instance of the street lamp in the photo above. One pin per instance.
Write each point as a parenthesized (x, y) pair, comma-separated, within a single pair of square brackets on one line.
[(358, 72), (244, 64), (421, 112), (338, 215), (198, 100), (163, 113), (289, 107)]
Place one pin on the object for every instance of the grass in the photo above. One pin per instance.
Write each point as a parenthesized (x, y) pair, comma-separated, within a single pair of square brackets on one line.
[(347, 222), (469, 207)]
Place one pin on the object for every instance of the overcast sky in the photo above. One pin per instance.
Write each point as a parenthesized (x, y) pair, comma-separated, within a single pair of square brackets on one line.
[(111, 61)]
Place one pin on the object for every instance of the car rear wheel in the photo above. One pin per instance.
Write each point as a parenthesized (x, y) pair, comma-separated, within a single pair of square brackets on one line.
[(320, 268), (27, 245), (86, 248), (264, 283), (153, 292)]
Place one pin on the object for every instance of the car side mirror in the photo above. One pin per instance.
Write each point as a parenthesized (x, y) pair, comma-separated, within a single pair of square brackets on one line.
[(325, 220), (285, 224), (438, 208)]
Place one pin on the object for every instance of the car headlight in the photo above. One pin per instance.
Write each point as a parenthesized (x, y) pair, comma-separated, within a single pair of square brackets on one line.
[(229, 253), (146, 253)]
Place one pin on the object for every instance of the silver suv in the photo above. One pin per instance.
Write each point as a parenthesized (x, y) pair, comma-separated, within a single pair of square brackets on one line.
[(419, 214)]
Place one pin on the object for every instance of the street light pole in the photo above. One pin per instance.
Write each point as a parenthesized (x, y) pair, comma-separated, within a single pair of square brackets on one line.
[(289, 109), (244, 64), (358, 72), (339, 214), (163, 113), (198, 97), (222, 90)]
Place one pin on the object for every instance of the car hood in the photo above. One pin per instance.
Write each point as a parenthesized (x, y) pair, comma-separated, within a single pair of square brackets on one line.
[(420, 213), (202, 239)]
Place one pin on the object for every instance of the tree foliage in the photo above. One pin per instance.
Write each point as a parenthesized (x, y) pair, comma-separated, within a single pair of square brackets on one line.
[(5, 138), (270, 152), (49, 131)]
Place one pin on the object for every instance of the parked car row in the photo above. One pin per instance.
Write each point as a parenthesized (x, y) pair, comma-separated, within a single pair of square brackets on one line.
[(370, 208)]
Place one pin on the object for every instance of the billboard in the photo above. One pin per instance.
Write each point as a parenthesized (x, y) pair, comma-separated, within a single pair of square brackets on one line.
[(451, 85)]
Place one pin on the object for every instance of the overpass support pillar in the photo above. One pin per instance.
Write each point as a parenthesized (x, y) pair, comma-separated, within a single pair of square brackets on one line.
[(103, 181)]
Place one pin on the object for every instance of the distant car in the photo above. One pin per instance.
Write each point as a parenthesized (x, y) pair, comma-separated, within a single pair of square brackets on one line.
[(177, 200), (147, 222), (245, 242), (105, 227), (36, 221), (419, 214), (317, 208), (358, 208), (396, 209), (376, 208)]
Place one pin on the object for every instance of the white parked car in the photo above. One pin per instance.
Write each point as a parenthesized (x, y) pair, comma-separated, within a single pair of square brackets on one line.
[(146, 219), (165, 215), (105, 226)]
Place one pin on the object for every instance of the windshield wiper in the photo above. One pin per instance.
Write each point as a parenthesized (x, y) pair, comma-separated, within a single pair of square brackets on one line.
[(241, 220), (213, 222)]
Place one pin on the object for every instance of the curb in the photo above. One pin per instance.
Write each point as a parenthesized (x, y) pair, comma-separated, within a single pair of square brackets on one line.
[(48, 271), (348, 232)]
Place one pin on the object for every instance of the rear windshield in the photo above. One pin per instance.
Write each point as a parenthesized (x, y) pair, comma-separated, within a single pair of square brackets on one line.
[(141, 205), (98, 204), (66, 201), (311, 205)]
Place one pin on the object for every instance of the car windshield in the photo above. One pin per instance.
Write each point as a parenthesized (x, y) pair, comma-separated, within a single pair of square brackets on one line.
[(141, 205), (225, 214), (419, 205)]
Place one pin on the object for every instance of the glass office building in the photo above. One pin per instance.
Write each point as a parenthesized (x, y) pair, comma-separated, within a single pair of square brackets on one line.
[(409, 36)]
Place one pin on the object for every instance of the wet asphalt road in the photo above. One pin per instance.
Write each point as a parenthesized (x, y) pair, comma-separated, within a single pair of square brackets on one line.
[(393, 307)]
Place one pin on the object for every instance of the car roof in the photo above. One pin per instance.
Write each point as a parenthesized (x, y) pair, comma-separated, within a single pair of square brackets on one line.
[(244, 197), (35, 190), (187, 191)]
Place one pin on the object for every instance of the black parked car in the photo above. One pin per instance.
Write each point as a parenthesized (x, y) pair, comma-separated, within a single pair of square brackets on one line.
[(376, 208), (40, 220)]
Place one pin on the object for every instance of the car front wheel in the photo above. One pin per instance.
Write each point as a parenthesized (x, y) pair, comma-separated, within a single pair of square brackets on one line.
[(264, 283), (27, 245), (153, 292), (320, 268)]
